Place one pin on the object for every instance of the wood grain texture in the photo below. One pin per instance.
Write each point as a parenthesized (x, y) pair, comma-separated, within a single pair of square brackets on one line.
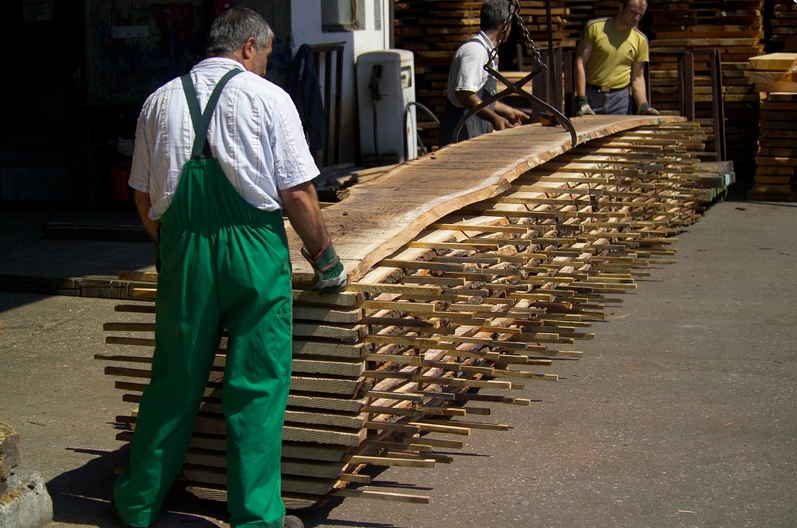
[(376, 218)]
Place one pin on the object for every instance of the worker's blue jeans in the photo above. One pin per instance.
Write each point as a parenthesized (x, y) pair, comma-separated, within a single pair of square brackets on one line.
[(617, 102)]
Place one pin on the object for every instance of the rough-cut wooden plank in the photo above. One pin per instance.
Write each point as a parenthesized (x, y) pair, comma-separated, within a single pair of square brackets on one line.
[(331, 404), (324, 385), (325, 314), (774, 61), (299, 366), (304, 347), (398, 202)]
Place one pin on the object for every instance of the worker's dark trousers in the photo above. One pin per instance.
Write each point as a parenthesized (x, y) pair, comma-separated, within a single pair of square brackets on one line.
[(224, 265), (473, 127)]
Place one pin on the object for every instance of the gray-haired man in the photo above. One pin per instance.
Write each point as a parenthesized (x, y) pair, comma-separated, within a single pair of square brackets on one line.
[(210, 186)]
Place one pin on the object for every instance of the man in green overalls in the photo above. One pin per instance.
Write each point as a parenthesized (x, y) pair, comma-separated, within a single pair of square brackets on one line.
[(210, 186)]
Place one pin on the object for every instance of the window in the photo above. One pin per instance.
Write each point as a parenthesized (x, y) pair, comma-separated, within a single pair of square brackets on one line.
[(342, 15)]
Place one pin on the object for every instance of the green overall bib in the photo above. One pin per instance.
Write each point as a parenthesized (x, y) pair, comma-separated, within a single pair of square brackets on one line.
[(224, 264)]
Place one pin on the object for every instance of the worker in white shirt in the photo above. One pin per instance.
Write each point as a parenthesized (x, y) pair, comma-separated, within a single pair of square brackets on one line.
[(469, 83), (210, 187)]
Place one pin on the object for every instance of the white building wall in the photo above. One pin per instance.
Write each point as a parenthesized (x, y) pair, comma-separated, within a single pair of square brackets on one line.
[(306, 29)]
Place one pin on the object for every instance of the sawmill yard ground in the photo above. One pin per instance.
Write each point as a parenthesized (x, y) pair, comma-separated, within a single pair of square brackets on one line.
[(681, 413)]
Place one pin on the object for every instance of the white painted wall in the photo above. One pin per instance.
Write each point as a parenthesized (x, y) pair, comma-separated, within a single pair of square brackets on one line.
[(306, 29)]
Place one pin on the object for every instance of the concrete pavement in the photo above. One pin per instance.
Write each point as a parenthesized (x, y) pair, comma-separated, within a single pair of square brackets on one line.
[(680, 414)]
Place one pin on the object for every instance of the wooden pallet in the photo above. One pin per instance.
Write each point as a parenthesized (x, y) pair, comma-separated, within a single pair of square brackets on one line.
[(489, 269)]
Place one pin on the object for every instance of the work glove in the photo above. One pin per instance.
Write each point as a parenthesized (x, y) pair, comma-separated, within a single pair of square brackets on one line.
[(330, 276), (646, 109), (582, 107)]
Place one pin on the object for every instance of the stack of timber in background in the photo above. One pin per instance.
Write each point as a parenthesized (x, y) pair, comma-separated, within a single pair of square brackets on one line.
[(605, 8), (495, 288), (783, 25), (775, 76), (535, 18), (736, 29), (579, 13)]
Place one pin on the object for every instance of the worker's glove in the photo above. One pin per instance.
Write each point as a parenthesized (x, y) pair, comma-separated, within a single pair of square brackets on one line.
[(582, 107), (330, 276), (646, 109)]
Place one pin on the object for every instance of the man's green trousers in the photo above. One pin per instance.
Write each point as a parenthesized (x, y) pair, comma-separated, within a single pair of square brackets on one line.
[(224, 265)]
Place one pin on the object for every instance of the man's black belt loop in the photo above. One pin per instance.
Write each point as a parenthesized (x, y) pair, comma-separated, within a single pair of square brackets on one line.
[(604, 90)]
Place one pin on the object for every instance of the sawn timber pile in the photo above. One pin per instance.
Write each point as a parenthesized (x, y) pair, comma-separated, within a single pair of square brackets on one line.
[(474, 270)]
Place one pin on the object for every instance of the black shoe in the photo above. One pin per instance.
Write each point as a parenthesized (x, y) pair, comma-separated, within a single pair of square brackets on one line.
[(292, 521)]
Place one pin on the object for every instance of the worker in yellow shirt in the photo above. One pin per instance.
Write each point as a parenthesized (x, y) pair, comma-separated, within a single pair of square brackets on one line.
[(611, 60)]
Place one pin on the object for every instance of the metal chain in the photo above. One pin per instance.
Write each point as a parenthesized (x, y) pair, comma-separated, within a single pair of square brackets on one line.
[(514, 15)]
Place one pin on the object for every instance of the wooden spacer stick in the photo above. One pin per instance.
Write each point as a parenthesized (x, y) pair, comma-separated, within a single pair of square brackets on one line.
[(380, 495)]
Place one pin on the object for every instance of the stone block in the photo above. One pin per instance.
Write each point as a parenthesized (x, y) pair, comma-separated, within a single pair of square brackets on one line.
[(9, 450), (26, 503)]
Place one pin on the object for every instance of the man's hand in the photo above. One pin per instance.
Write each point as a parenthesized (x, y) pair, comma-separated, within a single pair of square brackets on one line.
[(646, 109), (513, 116), (582, 107), (500, 122), (330, 275)]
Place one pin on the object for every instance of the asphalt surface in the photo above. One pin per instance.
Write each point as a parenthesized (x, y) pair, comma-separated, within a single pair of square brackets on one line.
[(680, 414)]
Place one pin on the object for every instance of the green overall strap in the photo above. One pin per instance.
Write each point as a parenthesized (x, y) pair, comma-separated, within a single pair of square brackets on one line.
[(201, 120)]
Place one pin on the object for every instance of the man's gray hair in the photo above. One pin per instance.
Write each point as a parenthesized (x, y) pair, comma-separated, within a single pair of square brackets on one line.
[(230, 31), (493, 14)]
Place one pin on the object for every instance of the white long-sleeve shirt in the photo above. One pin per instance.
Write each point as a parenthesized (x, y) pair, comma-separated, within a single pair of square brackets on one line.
[(255, 134)]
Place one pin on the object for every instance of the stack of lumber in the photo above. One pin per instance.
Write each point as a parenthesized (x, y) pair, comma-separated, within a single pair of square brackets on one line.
[(776, 160), (535, 18), (605, 8), (474, 270), (774, 72), (579, 13), (736, 29), (784, 24)]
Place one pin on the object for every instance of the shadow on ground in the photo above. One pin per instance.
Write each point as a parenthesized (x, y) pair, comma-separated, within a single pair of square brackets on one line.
[(82, 496)]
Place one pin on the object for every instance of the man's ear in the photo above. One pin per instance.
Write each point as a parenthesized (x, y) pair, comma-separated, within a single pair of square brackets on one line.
[(249, 49), (506, 26)]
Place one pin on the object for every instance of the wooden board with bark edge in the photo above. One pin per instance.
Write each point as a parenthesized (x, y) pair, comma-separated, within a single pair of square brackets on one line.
[(398, 202)]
